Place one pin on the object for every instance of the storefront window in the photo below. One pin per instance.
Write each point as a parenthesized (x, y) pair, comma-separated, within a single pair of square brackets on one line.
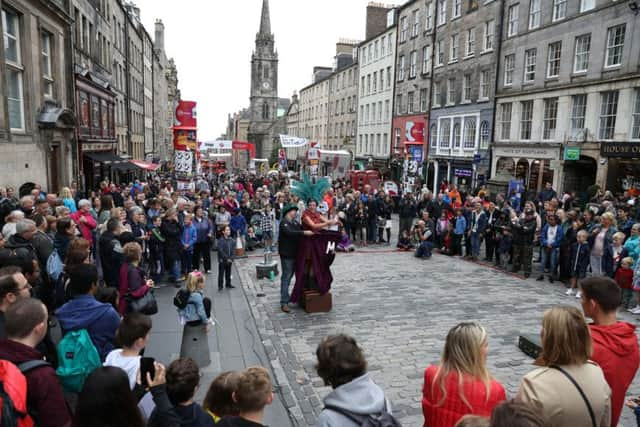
[(522, 170), (505, 166), (95, 112), (84, 109), (105, 115)]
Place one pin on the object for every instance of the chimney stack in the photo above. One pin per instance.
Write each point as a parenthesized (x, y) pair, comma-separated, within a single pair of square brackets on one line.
[(159, 36)]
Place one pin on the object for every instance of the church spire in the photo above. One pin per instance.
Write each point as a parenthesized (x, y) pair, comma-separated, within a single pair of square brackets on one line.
[(265, 21)]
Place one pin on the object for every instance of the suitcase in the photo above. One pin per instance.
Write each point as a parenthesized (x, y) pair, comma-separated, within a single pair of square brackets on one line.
[(314, 302), (530, 345)]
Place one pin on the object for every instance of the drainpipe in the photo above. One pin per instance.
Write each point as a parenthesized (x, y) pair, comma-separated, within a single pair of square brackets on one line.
[(498, 42), (430, 100)]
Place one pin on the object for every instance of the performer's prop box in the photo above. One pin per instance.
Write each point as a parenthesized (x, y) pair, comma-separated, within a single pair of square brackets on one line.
[(315, 302)]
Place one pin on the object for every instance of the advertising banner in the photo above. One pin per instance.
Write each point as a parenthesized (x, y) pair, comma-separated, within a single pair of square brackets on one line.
[(183, 162), (414, 131), (186, 116), (185, 140), (216, 145), (288, 141)]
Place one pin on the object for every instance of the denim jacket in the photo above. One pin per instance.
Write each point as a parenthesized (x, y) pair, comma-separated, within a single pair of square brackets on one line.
[(194, 309)]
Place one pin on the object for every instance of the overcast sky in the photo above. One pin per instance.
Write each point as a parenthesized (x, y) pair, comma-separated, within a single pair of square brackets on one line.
[(212, 41)]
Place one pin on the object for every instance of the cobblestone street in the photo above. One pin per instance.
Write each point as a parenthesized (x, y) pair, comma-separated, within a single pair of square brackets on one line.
[(399, 309)]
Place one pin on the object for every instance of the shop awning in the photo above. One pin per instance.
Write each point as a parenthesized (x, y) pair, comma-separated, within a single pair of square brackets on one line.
[(413, 143), (106, 157), (124, 166), (145, 165)]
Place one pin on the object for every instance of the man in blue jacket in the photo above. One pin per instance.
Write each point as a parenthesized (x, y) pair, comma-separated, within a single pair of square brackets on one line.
[(550, 241), (85, 312)]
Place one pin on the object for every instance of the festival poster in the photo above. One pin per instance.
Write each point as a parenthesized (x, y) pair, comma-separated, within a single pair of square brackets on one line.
[(414, 131), (185, 140), (186, 115), (183, 162)]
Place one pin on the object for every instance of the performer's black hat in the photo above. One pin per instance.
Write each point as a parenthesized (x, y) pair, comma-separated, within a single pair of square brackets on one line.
[(288, 208)]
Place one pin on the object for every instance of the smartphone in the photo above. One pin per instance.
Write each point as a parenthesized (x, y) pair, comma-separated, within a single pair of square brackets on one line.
[(147, 366)]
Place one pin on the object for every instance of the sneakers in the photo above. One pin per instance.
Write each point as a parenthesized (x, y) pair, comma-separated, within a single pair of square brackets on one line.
[(579, 294), (540, 278), (569, 292), (634, 310)]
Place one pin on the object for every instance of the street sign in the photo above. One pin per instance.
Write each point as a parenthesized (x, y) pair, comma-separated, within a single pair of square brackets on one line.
[(477, 158), (572, 153), (313, 153)]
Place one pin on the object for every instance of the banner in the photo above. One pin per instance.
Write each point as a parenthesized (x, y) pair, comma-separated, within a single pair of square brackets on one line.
[(183, 161), (185, 140), (243, 145), (216, 145), (288, 141), (186, 116), (414, 131), (282, 158)]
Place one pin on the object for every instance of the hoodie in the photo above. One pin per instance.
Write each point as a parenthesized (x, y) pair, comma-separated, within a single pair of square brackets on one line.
[(360, 396), (99, 319), (190, 416), (615, 349)]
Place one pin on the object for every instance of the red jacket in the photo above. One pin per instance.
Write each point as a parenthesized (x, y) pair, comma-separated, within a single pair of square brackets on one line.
[(87, 227), (44, 392), (615, 349), (624, 278), (453, 408)]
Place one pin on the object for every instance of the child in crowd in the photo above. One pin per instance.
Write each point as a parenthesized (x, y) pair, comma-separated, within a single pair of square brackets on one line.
[(458, 232), (267, 219), (446, 240), (345, 244), (578, 262), (198, 309), (253, 241), (333, 214), (624, 279), (404, 242), (188, 239), (613, 257), (442, 228), (226, 250), (219, 399), (504, 239), (253, 393), (156, 251)]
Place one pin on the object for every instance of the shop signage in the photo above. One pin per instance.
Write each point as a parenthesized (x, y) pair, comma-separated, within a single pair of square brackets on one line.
[(477, 158), (526, 152), (463, 172), (96, 146), (626, 149), (572, 153)]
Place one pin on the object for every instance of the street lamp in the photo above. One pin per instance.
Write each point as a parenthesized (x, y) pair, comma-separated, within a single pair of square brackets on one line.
[(634, 6)]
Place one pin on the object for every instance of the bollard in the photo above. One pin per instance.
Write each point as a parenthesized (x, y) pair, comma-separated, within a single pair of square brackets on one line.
[(195, 344)]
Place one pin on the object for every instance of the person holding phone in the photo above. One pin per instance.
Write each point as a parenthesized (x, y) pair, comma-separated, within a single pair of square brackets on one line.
[(132, 334)]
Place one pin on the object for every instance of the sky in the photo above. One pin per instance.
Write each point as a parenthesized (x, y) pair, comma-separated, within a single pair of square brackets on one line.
[(212, 41)]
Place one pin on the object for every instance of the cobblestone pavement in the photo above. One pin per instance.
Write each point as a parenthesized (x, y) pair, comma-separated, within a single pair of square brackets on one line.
[(400, 308)]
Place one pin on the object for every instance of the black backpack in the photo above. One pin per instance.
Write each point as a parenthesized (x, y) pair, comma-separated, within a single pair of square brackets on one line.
[(383, 419), (181, 300)]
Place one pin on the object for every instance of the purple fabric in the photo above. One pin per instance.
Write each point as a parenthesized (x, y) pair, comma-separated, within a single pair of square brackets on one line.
[(317, 249)]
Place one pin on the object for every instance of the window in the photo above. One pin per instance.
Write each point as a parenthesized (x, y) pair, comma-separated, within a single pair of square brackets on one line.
[(635, 117), (388, 77), (615, 43), (442, 12), (381, 79), (403, 29), (416, 23), (373, 112), (512, 27), (581, 56), (550, 118), (433, 136), (13, 59), (362, 86), (559, 10), (47, 75), (399, 103), (608, 112), (423, 100), (439, 53), (382, 45), (401, 69), (375, 81), (578, 111), (436, 94), (429, 16), (586, 5), (509, 66), (534, 14), (412, 67), (488, 35), (553, 59), (526, 119), (469, 132), (379, 111), (451, 91), (453, 52), (368, 84), (466, 88), (426, 59), (456, 135), (484, 84), (530, 65), (445, 133), (484, 134), (457, 8), (505, 121), (389, 44), (386, 110), (376, 49), (410, 102), (471, 41), (368, 111)]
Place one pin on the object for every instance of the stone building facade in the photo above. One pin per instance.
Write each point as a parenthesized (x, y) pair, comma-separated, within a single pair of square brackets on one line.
[(466, 47), (568, 97), (162, 111), (37, 121), (119, 76), (314, 107), (135, 73), (148, 58), (376, 62), (343, 99)]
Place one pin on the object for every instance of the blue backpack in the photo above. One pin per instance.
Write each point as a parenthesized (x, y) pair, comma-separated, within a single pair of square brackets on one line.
[(54, 265), (77, 358)]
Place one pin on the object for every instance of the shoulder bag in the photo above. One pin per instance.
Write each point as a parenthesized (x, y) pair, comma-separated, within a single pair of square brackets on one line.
[(584, 396)]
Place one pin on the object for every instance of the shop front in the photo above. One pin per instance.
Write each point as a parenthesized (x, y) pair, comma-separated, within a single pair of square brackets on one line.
[(409, 147), (534, 165), (622, 162)]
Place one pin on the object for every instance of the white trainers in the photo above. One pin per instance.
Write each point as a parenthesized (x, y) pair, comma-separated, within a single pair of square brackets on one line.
[(569, 292), (635, 310), (578, 294), (631, 310)]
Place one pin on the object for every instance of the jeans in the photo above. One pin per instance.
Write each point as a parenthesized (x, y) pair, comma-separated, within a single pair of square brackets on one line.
[(224, 274), (288, 266), (596, 266), (371, 230), (424, 250), (550, 256), (187, 258), (475, 244), (174, 272)]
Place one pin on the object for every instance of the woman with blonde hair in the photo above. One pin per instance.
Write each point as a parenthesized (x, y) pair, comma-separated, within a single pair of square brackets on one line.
[(569, 389), (67, 199), (462, 384), (600, 242)]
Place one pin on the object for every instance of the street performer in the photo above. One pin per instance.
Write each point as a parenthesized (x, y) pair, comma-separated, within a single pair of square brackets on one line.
[(288, 244)]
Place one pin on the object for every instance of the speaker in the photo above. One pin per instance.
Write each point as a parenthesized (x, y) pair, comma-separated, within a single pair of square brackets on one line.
[(530, 345)]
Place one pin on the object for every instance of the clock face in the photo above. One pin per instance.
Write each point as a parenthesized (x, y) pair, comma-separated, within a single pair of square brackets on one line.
[(266, 85)]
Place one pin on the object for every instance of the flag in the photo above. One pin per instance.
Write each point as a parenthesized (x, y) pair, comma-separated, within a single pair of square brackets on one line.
[(288, 141)]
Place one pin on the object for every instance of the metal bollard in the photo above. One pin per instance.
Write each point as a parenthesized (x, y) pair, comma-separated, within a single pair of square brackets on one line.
[(195, 344)]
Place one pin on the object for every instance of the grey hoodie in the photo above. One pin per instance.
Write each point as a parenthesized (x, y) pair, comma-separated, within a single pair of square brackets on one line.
[(360, 396)]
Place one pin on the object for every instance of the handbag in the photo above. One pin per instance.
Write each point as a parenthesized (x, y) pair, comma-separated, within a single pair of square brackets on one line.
[(146, 304), (584, 396)]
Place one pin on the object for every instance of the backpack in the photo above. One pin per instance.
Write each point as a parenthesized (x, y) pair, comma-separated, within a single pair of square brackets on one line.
[(383, 419), (181, 300), (13, 393), (54, 265), (77, 358)]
